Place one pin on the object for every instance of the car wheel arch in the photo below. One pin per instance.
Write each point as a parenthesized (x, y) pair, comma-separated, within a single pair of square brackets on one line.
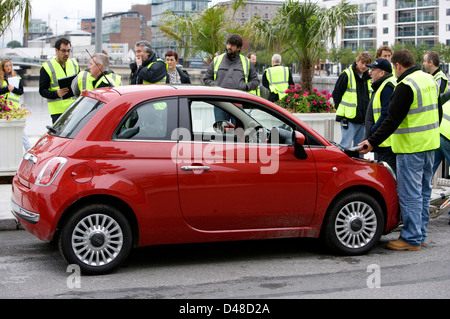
[(124, 208), (373, 193)]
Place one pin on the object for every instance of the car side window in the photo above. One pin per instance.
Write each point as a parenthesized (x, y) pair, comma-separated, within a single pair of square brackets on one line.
[(152, 120), (236, 122)]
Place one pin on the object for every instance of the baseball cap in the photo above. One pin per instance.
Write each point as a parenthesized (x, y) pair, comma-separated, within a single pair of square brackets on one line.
[(382, 64)]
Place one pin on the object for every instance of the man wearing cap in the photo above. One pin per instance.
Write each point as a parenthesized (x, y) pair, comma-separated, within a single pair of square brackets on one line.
[(383, 84), (413, 124)]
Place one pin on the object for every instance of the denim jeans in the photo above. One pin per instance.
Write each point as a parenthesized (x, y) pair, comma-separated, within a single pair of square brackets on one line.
[(442, 152), (353, 135), (414, 176)]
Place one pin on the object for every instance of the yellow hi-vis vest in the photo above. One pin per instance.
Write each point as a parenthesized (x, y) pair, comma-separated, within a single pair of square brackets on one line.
[(11, 97), (445, 124), (245, 65), (376, 105), (85, 81), (440, 75), (163, 80), (419, 131), (349, 102), (110, 79), (55, 72), (278, 78)]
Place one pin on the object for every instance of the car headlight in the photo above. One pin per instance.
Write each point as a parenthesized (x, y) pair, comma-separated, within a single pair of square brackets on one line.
[(50, 171)]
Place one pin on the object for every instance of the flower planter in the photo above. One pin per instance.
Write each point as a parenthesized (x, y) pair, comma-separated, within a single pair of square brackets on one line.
[(323, 123), (11, 145)]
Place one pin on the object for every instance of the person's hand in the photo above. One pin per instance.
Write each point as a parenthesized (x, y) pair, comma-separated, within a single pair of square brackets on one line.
[(10, 87), (366, 147), (62, 92), (138, 61)]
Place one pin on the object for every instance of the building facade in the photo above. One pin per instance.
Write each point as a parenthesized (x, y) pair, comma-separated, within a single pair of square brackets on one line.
[(159, 43), (385, 22)]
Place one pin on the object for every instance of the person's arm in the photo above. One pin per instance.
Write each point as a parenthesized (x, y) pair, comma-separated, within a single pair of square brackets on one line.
[(155, 73), (253, 80), (209, 75), (339, 89), (44, 85), (399, 106), (19, 90)]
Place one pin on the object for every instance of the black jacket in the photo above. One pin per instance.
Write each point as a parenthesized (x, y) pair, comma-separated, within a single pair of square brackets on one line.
[(153, 74), (184, 76), (399, 106), (362, 93)]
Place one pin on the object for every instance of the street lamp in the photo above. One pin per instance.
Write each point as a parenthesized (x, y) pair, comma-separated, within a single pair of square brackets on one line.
[(98, 26)]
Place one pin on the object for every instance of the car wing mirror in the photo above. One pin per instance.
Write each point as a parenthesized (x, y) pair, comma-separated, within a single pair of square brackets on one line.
[(299, 141)]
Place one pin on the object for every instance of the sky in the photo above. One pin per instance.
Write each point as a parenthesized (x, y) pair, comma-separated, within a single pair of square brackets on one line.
[(65, 15), (55, 11)]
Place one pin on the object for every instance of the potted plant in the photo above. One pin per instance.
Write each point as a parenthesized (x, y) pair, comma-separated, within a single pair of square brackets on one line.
[(12, 122), (314, 108)]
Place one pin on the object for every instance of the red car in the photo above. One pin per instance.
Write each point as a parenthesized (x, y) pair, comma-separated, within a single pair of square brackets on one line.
[(149, 165)]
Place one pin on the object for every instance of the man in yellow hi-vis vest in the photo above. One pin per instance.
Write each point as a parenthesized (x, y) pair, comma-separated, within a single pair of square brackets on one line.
[(57, 68), (277, 79), (383, 84), (232, 70), (351, 96), (431, 64), (148, 68), (413, 126)]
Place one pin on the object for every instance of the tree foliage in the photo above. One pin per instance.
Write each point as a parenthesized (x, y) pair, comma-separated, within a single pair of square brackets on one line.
[(302, 29), (10, 10), (204, 32)]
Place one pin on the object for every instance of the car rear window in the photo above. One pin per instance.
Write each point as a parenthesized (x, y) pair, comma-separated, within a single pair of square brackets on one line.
[(75, 117)]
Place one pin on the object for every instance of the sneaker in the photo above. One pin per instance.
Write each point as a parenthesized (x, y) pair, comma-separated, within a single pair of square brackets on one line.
[(399, 244)]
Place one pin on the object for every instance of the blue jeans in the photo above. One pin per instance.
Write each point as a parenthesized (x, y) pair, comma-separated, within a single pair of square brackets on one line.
[(353, 135), (442, 152), (414, 176)]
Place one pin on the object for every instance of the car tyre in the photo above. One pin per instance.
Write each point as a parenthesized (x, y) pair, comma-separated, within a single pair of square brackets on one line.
[(354, 224), (97, 238)]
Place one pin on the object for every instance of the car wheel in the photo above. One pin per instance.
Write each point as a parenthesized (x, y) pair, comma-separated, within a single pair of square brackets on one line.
[(97, 238), (354, 224)]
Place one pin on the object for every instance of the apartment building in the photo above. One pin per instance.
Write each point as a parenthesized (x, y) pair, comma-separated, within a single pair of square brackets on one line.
[(389, 21)]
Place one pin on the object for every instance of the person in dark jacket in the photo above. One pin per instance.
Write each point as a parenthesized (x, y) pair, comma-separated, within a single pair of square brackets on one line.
[(351, 96), (383, 85), (175, 74), (148, 68), (413, 125)]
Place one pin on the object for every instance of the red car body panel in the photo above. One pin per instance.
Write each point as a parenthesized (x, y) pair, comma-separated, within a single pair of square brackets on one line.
[(171, 205)]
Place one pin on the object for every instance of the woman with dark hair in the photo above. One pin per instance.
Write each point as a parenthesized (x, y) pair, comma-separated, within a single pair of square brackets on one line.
[(175, 74)]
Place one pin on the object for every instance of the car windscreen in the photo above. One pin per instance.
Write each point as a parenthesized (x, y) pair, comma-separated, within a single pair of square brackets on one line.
[(75, 117)]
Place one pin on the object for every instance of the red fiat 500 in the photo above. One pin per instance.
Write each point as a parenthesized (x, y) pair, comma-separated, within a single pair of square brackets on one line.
[(148, 165)]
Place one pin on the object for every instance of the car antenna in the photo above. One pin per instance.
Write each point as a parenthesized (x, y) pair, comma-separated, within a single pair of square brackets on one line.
[(103, 73)]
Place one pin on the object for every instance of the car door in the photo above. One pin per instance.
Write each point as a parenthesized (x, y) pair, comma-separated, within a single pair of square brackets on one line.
[(236, 180)]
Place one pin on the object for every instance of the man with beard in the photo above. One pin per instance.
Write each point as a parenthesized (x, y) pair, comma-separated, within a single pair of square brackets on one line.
[(232, 70)]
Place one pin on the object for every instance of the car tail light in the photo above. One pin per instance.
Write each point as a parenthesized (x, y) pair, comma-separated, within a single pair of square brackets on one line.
[(50, 171)]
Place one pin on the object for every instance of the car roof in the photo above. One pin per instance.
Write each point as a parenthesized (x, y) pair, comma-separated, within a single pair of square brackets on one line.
[(158, 90)]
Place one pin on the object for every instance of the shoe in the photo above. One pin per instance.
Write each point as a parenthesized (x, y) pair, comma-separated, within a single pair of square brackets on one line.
[(399, 244)]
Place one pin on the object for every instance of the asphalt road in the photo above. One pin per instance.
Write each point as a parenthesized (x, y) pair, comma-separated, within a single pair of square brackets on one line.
[(257, 270)]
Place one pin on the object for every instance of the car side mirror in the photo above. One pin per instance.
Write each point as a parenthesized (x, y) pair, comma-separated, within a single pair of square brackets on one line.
[(299, 141)]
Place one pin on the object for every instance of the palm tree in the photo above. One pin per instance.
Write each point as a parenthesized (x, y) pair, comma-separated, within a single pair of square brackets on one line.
[(203, 32), (11, 9), (302, 29)]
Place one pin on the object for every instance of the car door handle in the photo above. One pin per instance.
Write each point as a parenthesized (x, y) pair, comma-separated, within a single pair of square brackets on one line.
[(193, 168)]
